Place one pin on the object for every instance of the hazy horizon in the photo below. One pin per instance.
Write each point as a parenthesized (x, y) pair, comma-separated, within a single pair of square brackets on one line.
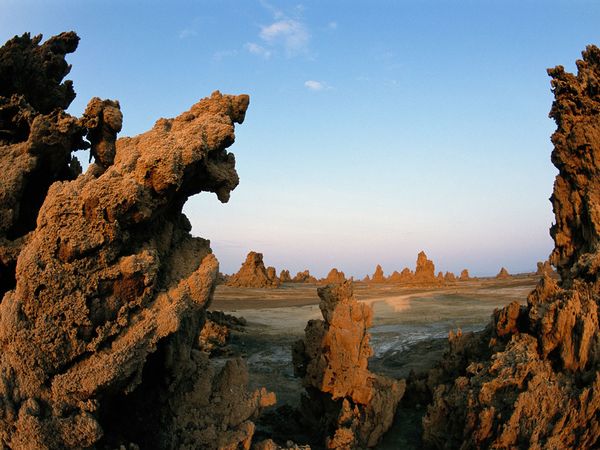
[(375, 130)]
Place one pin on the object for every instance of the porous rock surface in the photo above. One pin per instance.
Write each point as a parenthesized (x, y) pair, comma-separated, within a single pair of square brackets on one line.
[(545, 268), (532, 378), (254, 274), (36, 137), (216, 332), (345, 402), (109, 289)]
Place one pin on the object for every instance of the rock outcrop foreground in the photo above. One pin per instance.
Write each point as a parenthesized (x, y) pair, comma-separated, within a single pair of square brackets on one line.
[(105, 288), (345, 402), (532, 378)]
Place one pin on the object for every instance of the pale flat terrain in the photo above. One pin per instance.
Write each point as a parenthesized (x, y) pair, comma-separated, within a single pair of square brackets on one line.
[(409, 328)]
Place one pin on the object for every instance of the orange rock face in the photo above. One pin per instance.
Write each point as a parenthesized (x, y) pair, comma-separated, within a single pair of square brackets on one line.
[(253, 274), (284, 276), (464, 275), (545, 268), (304, 277), (533, 376), (378, 276), (334, 276), (106, 289), (503, 274), (348, 404), (424, 270)]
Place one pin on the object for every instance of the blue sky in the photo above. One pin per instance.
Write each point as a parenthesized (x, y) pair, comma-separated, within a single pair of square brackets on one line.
[(375, 129)]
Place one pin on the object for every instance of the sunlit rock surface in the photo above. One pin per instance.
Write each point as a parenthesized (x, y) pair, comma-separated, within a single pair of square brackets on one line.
[(105, 287)]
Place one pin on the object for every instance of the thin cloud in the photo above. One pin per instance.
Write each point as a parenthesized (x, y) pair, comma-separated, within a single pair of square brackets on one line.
[(187, 33), (291, 34), (332, 25), (259, 50), (222, 54), (313, 85)]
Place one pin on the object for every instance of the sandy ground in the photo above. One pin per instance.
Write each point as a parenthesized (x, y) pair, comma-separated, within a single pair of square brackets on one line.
[(409, 331)]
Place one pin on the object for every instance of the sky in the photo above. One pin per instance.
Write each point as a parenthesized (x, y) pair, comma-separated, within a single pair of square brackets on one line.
[(376, 129)]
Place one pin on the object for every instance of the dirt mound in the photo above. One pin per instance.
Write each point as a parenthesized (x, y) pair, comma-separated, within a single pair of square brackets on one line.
[(110, 288), (344, 402), (253, 274), (533, 376)]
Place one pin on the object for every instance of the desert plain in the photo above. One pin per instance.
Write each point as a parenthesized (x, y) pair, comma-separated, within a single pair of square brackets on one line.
[(409, 332)]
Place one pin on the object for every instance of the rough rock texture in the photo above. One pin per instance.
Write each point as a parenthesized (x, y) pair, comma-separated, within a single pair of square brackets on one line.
[(545, 268), (344, 401), (334, 276), (304, 277), (285, 277), (503, 274), (36, 137), (464, 275), (424, 270), (216, 332), (253, 274), (532, 378), (110, 288), (378, 276)]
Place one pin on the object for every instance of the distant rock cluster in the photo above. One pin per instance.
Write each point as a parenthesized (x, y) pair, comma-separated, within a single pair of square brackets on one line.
[(424, 274)]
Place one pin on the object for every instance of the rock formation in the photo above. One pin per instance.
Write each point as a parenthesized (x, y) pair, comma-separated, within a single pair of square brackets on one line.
[(378, 276), (36, 137), (424, 270), (503, 274), (450, 277), (545, 268), (105, 287), (532, 378), (344, 401), (334, 276), (216, 332), (304, 277), (464, 275), (284, 276), (253, 274)]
